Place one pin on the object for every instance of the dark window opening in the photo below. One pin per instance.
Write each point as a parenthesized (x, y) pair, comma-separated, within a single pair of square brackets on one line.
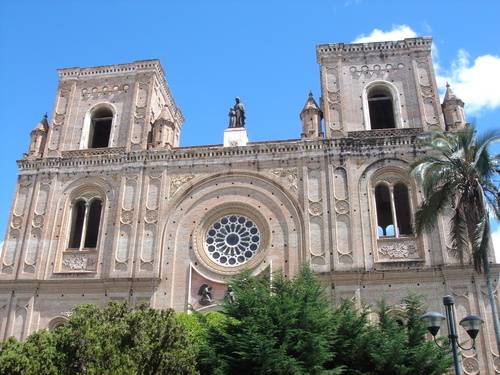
[(384, 211), (77, 219), (403, 212), (100, 128), (381, 109), (93, 220)]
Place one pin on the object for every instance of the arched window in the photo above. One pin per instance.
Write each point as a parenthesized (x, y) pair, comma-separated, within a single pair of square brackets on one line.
[(85, 223), (100, 128), (381, 107), (393, 209)]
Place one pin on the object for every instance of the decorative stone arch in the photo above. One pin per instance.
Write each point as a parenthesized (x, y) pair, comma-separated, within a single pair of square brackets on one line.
[(87, 124), (195, 206), (398, 248), (56, 322), (396, 102), (86, 190)]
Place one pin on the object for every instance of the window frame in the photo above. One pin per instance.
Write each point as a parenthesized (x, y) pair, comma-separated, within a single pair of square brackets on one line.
[(391, 180), (87, 199), (89, 124), (396, 104)]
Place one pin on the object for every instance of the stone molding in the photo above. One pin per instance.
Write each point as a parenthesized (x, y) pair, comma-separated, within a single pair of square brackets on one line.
[(356, 144)]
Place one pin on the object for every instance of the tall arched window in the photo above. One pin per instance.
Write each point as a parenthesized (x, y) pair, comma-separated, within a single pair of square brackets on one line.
[(100, 128), (381, 107), (85, 223), (392, 202)]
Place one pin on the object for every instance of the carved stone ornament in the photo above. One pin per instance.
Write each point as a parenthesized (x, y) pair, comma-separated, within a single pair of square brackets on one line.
[(342, 207), (374, 70), (79, 262), (398, 250), (289, 173), (471, 365), (127, 216), (151, 216), (315, 208), (38, 221), (16, 222), (100, 91), (176, 183)]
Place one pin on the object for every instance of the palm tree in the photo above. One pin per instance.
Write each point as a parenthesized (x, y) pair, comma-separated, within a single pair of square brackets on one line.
[(459, 177)]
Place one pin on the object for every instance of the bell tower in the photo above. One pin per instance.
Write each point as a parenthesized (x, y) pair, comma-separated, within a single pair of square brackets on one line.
[(110, 106)]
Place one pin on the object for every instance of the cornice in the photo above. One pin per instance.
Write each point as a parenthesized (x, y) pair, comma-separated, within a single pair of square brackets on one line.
[(339, 50), (359, 143)]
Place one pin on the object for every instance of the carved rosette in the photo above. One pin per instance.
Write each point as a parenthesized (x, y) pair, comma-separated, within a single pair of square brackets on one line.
[(288, 174), (79, 262), (315, 208), (176, 183), (471, 365), (37, 221), (16, 221), (395, 249), (151, 216), (342, 207), (127, 216)]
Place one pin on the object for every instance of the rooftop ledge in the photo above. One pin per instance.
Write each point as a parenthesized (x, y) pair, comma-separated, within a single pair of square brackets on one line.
[(419, 43), (358, 143), (140, 65)]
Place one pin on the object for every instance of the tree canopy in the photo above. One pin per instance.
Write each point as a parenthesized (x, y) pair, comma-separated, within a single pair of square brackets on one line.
[(286, 326)]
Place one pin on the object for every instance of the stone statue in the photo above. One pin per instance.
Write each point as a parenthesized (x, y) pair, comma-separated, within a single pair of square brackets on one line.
[(205, 293), (239, 111), (232, 118), (229, 295)]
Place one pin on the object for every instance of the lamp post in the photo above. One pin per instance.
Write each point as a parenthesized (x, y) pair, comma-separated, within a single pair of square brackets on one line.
[(470, 323)]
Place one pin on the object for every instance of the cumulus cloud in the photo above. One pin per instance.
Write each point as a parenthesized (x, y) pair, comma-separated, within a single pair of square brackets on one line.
[(397, 32), (475, 83)]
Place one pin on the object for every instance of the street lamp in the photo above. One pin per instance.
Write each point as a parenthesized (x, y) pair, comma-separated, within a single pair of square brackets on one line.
[(472, 324)]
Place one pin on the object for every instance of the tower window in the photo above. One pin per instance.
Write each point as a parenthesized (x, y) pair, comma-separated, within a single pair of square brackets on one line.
[(381, 108), (85, 223), (393, 210), (100, 128)]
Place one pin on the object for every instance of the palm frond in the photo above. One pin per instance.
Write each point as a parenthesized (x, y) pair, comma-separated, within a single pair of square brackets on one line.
[(458, 234), (428, 212), (480, 245)]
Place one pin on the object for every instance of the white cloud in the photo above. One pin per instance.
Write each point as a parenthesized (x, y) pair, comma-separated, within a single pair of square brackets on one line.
[(398, 32), (476, 84), (495, 238)]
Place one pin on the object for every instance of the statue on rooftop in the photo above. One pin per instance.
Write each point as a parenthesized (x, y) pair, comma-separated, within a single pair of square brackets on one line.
[(237, 115)]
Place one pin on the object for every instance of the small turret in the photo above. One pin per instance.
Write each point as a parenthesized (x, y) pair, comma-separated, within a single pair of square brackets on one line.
[(311, 117), (453, 110), (164, 133), (38, 138)]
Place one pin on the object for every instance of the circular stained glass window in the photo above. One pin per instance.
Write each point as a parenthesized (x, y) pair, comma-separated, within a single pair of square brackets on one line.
[(232, 240)]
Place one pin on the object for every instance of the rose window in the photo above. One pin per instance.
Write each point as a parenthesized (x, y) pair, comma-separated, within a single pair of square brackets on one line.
[(232, 240)]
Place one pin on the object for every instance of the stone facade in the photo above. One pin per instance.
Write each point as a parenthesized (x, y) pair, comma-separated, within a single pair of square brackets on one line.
[(307, 200)]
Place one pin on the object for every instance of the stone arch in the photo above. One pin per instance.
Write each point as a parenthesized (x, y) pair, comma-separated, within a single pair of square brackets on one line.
[(87, 129), (391, 89), (243, 191), (387, 172), (87, 189), (56, 322)]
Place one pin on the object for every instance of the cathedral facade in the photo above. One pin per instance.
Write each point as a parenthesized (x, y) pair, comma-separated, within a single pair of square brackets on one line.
[(109, 207)]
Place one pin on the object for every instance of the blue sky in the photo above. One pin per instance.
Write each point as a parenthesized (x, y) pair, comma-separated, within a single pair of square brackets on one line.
[(212, 51)]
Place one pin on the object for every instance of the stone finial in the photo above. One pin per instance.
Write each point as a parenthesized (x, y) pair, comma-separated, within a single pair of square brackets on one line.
[(310, 103)]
